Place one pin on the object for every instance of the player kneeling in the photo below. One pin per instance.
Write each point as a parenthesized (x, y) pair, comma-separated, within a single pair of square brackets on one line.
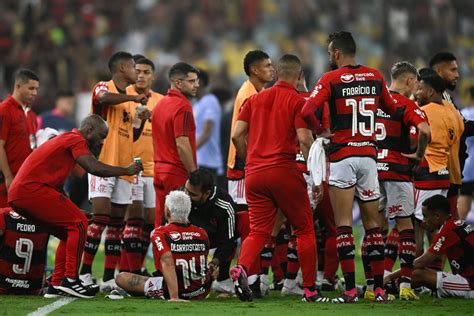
[(180, 251), (455, 239)]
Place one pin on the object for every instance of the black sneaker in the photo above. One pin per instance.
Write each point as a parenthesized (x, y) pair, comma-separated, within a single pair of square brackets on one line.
[(314, 296), (345, 299), (256, 289), (51, 292), (76, 288), (242, 289)]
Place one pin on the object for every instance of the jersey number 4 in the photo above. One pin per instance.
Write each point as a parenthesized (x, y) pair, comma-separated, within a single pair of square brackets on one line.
[(24, 250), (190, 272)]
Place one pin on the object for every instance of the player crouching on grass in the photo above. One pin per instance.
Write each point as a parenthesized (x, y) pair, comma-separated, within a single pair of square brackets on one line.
[(455, 239), (180, 251)]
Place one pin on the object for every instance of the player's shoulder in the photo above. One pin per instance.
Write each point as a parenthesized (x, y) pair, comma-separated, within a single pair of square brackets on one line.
[(198, 232)]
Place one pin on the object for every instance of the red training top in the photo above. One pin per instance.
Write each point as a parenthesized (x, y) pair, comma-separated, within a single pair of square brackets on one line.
[(273, 116), (172, 117), (18, 128), (50, 164)]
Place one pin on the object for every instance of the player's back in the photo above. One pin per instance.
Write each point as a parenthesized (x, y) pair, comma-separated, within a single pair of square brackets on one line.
[(189, 245), (273, 116), (22, 254), (353, 93)]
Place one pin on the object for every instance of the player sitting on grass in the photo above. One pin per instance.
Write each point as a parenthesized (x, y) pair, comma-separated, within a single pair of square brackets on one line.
[(455, 239), (180, 250)]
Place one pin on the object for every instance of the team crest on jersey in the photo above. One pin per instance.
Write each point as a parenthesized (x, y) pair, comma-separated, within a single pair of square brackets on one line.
[(175, 236), (346, 78)]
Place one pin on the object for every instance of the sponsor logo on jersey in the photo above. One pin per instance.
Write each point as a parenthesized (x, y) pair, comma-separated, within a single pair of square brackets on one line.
[(316, 90), (363, 75), (346, 78), (394, 209), (175, 236), (382, 166), (439, 243), (382, 114)]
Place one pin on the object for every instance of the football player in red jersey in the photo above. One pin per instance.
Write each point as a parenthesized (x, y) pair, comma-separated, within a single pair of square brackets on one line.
[(180, 251), (394, 164), (455, 239), (354, 93), (23, 247)]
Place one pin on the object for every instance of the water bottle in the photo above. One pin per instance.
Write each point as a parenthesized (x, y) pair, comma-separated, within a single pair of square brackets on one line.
[(136, 120)]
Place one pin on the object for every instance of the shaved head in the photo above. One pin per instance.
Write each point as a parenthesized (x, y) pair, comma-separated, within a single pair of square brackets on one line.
[(93, 121), (289, 66)]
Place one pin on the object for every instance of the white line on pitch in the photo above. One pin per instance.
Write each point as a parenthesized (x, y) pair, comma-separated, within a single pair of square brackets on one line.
[(45, 310)]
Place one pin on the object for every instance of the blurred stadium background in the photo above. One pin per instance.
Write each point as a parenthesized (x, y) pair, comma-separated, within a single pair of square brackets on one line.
[(68, 42)]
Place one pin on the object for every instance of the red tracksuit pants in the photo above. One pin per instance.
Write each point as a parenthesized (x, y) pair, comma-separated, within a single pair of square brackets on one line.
[(284, 188)]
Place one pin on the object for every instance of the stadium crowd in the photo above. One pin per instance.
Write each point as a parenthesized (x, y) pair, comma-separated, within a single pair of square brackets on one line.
[(297, 160)]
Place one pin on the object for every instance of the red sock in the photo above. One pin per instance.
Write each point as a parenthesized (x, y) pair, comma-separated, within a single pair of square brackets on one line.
[(94, 234), (391, 249), (374, 250), (369, 279), (346, 251), (123, 261), (407, 252), (113, 236), (132, 243)]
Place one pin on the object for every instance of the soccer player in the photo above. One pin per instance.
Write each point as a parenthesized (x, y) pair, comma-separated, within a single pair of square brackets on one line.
[(17, 129), (446, 67), (395, 168), (260, 71), (174, 134), (214, 210), (36, 194), (354, 93), (455, 239), (110, 196), (265, 137), (23, 247), (431, 177), (136, 234), (180, 251)]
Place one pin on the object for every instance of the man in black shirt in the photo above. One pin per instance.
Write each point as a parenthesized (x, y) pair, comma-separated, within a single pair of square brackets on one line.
[(214, 210)]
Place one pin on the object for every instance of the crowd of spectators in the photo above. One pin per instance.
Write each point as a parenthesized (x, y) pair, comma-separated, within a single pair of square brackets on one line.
[(68, 42)]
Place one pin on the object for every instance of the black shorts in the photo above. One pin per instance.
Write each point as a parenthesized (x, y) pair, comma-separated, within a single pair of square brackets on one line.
[(467, 188)]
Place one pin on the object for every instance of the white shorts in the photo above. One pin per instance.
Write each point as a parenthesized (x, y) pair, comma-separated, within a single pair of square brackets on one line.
[(421, 196), (118, 190), (237, 191), (453, 285), (154, 288), (309, 188), (143, 190), (396, 199), (360, 172)]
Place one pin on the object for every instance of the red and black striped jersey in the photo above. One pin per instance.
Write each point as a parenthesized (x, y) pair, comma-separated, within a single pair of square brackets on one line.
[(23, 247), (393, 138), (189, 245), (353, 93), (455, 239), (423, 179)]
